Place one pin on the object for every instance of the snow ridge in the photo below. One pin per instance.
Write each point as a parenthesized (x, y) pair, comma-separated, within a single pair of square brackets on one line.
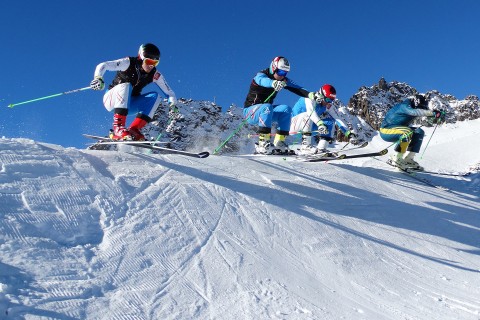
[(91, 234)]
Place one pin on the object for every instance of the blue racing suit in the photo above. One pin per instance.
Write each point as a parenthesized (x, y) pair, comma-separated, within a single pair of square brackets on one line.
[(307, 113), (259, 108)]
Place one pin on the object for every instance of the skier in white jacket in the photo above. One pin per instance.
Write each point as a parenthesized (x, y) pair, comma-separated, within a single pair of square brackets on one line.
[(125, 96), (317, 114)]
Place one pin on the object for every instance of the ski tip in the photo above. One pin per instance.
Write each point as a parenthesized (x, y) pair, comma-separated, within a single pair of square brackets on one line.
[(203, 154)]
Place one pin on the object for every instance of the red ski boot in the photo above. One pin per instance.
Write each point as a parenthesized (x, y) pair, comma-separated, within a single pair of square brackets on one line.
[(135, 127), (119, 131)]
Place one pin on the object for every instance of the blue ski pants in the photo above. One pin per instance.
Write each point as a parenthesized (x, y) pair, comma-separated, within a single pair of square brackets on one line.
[(120, 97), (265, 114)]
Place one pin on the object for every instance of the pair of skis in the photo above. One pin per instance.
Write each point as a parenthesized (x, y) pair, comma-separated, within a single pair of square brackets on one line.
[(449, 174), (412, 174), (438, 173), (417, 175), (147, 145), (332, 156)]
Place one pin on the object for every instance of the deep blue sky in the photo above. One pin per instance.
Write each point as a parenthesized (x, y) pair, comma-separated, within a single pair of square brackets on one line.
[(212, 49)]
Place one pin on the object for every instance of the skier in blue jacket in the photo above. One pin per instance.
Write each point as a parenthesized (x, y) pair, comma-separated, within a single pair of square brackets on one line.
[(396, 127), (260, 110), (318, 114)]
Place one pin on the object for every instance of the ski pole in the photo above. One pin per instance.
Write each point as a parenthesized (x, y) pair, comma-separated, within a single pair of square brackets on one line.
[(234, 132), (345, 145), (436, 125), (268, 98), (217, 149), (240, 126), (170, 119), (48, 97)]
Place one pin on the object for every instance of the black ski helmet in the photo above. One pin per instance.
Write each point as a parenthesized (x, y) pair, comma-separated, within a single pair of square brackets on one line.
[(418, 101), (148, 50)]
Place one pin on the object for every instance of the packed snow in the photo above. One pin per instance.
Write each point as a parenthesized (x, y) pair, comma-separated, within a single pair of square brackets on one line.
[(90, 234)]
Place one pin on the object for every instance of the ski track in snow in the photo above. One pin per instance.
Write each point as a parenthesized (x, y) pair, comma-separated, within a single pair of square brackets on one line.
[(129, 235)]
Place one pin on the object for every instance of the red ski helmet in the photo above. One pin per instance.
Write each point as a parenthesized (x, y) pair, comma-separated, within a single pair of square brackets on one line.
[(328, 92), (280, 63)]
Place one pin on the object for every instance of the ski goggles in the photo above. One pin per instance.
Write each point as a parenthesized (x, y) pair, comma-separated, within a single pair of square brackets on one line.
[(151, 62), (328, 100), (281, 73)]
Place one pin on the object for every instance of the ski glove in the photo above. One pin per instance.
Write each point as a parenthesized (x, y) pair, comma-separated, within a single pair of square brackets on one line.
[(97, 83), (278, 85), (322, 128), (315, 97), (353, 138), (439, 115), (173, 107)]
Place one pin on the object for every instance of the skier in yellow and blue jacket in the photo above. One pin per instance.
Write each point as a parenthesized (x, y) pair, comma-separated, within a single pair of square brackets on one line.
[(397, 127)]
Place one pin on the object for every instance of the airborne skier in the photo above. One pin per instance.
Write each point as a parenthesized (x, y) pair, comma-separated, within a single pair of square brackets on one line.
[(124, 94), (260, 110)]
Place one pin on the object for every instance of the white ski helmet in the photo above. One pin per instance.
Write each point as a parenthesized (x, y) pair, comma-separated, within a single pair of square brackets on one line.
[(279, 63)]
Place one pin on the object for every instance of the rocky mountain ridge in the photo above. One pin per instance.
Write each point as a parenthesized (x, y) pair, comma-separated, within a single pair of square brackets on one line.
[(371, 103)]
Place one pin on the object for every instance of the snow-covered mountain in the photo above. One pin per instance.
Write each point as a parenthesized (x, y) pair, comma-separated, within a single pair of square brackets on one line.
[(91, 234)]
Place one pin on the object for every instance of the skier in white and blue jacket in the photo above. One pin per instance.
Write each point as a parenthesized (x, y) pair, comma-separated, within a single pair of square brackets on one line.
[(317, 113), (124, 96), (397, 127), (260, 110)]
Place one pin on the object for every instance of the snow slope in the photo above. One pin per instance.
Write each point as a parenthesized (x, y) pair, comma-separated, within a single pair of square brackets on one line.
[(88, 234)]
